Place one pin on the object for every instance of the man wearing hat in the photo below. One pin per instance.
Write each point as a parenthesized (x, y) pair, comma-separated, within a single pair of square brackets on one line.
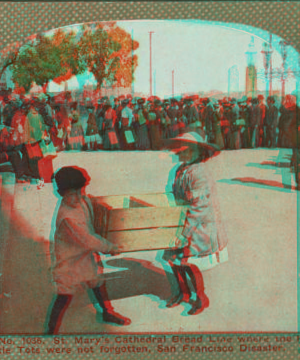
[(203, 242), (244, 116), (76, 248), (255, 121), (189, 112), (271, 123), (208, 117)]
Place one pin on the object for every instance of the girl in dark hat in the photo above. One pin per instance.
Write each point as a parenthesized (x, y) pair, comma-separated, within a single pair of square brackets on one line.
[(202, 243), (75, 246)]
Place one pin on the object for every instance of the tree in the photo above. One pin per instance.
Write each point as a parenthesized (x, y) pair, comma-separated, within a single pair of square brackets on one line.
[(107, 52), (47, 58), (97, 50), (9, 55), (128, 62)]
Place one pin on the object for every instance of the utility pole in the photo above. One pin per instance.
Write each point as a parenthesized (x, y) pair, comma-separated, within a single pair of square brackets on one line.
[(150, 38), (172, 83), (271, 69), (132, 66)]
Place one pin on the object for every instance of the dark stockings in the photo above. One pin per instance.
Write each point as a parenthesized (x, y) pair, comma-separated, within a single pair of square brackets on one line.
[(62, 301), (59, 307), (196, 278)]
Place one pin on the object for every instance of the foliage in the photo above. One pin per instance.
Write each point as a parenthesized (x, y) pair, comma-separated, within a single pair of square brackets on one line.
[(106, 50), (9, 55), (97, 51), (47, 58), (102, 48)]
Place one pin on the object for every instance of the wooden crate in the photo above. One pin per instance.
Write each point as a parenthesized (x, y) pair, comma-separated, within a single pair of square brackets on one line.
[(140, 222)]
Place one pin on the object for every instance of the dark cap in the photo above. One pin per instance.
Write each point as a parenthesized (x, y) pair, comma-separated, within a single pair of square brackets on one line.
[(70, 177)]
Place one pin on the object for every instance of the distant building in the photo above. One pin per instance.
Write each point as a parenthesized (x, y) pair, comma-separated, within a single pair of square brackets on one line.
[(251, 72), (251, 81), (233, 79)]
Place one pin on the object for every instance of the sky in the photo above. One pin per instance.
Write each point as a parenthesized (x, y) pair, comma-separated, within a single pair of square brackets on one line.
[(199, 52)]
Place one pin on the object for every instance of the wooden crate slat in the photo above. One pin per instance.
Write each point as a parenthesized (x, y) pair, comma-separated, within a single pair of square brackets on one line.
[(144, 218), (143, 240)]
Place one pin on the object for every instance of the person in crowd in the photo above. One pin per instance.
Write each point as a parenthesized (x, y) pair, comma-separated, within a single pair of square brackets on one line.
[(110, 139), (8, 111), (262, 122), (244, 115), (92, 137), (154, 125), (165, 120), (143, 140), (99, 115), (235, 130), (173, 113), (203, 242), (118, 124), (208, 115), (63, 127), (292, 133), (17, 153), (216, 126), (76, 136), (287, 121), (44, 109), (35, 131), (77, 265), (255, 122), (127, 135), (190, 113), (225, 124), (272, 117)]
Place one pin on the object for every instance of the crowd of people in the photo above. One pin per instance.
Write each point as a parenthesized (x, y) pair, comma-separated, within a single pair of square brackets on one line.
[(31, 123)]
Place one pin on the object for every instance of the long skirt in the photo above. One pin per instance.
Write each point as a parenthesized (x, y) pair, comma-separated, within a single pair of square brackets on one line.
[(245, 137), (254, 137), (127, 138), (76, 138), (143, 141), (219, 139), (174, 130), (226, 133), (235, 140), (155, 136), (93, 141), (110, 140)]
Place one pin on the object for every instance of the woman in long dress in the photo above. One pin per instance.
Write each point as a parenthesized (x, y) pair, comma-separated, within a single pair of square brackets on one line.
[(110, 140), (76, 137), (143, 141), (203, 241), (92, 137)]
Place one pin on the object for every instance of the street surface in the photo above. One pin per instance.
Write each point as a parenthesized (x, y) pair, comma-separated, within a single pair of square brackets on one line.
[(256, 290)]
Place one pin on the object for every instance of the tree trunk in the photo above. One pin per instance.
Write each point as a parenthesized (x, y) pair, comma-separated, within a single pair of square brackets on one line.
[(4, 68), (44, 87)]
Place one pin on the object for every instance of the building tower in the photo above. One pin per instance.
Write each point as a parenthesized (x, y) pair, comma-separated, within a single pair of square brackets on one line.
[(251, 72), (233, 80)]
